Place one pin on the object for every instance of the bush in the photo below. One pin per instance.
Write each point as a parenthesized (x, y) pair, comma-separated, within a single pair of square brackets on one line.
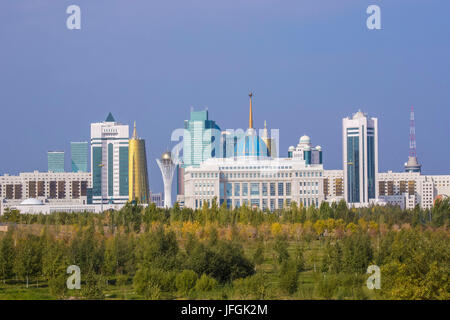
[(223, 261), (149, 281), (205, 283), (57, 286), (289, 277), (93, 288), (326, 287), (185, 281), (280, 248), (256, 286)]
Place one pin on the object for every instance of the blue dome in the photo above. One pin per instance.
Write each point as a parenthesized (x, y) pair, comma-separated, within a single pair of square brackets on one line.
[(251, 145)]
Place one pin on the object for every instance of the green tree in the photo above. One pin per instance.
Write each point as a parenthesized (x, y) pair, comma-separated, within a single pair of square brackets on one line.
[(7, 254), (357, 253), (289, 277), (258, 256), (93, 287), (28, 258), (57, 286), (224, 261), (256, 286), (280, 247), (205, 283), (185, 281), (158, 249)]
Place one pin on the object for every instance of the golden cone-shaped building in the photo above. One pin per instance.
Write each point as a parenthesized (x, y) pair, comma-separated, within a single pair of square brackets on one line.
[(137, 170)]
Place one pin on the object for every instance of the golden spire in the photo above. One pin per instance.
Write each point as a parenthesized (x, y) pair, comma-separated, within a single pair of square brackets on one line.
[(250, 120), (135, 136)]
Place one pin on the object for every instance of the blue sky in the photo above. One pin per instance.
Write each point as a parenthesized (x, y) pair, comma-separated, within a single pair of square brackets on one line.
[(310, 63)]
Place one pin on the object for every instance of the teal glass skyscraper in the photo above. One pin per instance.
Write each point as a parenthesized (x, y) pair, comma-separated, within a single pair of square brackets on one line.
[(201, 139), (55, 160), (79, 156)]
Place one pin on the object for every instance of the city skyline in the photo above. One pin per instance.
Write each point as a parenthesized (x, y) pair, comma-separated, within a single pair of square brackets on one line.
[(283, 153), (315, 64)]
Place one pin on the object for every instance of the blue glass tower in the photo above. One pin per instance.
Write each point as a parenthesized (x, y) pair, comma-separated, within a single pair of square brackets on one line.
[(79, 156), (201, 139), (55, 161)]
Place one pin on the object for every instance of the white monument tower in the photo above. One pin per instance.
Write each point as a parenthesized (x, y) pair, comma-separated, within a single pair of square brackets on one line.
[(167, 167)]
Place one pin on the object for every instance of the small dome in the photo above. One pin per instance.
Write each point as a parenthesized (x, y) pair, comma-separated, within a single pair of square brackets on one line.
[(291, 148), (32, 202), (319, 148), (305, 139), (166, 156)]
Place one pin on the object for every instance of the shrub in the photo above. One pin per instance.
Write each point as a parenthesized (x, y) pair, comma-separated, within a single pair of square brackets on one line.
[(326, 287), (223, 261), (205, 283), (147, 280), (185, 281), (256, 286), (289, 277), (280, 248), (93, 288)]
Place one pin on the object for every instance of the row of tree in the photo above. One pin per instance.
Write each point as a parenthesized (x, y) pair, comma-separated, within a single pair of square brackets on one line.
[(134, 217)]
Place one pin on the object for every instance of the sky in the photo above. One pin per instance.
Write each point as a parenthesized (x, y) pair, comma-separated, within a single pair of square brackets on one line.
[(309, 64)]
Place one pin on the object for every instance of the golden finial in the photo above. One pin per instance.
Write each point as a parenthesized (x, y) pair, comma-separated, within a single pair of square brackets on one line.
[(250, 120), (134, 131)]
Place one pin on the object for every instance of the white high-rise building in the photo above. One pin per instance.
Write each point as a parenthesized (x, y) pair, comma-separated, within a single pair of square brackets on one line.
[(109, 161), (360, 158)]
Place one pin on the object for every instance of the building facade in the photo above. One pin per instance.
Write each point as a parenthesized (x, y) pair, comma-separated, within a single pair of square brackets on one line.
[(55, 161), (157, 199), (409, 189), (333, 185), (109, 161), (360, 158), (79, 156), (267, 184), (48, 187)]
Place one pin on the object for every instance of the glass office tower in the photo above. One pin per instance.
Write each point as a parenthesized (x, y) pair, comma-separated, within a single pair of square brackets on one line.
[(55, 160), (79, 156), (201, 139)]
